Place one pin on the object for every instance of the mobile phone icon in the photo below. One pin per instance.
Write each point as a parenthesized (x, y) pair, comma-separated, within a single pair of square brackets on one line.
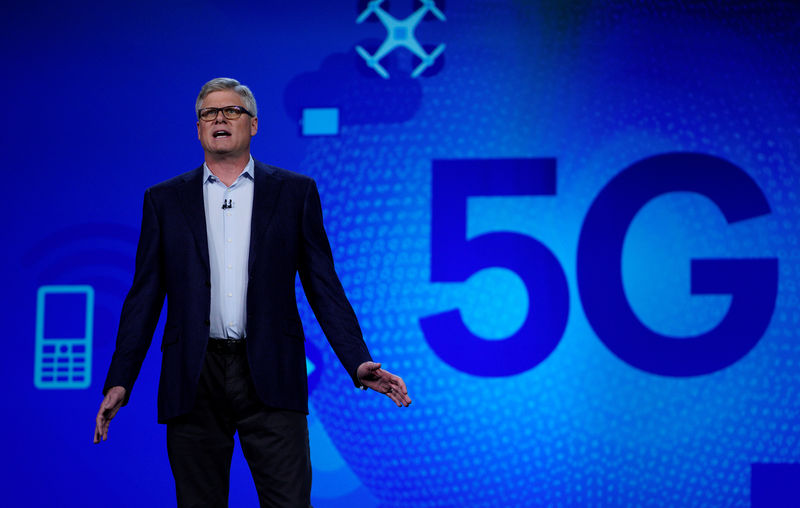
[(64, 327)]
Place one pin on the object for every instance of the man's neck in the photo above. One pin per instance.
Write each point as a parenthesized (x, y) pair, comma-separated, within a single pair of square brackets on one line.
[(227, 169)]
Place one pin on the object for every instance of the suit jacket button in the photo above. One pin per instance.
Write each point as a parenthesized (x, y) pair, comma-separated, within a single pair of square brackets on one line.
[(208, 283), (207, 322)]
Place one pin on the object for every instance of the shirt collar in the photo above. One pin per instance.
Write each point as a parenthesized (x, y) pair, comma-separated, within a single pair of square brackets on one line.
[(248, 171)]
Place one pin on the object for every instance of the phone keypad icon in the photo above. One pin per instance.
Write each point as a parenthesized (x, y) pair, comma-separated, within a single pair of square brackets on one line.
[(64, 362)]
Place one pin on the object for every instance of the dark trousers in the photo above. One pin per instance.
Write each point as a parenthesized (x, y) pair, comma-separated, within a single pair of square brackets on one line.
[(274, 442)]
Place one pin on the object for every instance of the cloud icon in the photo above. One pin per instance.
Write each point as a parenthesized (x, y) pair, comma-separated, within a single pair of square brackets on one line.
[(344, 83)]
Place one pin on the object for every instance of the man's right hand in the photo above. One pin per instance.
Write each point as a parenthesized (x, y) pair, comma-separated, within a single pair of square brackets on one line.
[(108, 408)]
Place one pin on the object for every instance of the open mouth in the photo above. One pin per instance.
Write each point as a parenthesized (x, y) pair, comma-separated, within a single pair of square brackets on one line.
[(221, 134)]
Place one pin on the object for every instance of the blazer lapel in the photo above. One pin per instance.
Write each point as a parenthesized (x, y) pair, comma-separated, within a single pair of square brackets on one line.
[(190, 192), (265, 202)]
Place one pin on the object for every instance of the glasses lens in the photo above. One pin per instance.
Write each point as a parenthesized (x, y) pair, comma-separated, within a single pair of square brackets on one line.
[(208, 113), (231, 112)]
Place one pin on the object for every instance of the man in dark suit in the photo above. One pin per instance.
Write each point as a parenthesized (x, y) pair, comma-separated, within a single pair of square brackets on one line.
[(224, 244)]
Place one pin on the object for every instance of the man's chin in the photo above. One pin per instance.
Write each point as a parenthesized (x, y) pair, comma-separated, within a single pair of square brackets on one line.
[(220, 148), (226, 153), (225, 148)]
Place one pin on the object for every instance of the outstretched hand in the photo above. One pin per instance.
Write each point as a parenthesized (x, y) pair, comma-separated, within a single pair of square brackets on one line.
[(108, 408), (371, 375)]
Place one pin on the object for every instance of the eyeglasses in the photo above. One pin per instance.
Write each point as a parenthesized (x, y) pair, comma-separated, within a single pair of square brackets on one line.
[(229, 112)]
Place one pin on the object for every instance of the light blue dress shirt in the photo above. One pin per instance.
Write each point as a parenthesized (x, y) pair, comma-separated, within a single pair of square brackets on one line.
[(228, 231)]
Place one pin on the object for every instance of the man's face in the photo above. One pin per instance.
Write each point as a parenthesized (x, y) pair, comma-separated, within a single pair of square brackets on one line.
[(222, 136)]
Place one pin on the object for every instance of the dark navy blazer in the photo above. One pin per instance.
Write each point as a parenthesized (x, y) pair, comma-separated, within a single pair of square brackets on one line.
[(287, 236)]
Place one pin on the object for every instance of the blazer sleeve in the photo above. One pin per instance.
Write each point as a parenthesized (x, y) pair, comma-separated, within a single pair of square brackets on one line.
[(142, 306), (324, 290)]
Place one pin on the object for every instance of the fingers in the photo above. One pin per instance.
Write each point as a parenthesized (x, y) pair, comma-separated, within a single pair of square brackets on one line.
[(394, 398), (385, 382), (399, 383), (405, 400), (400, 399), (108, 409), (98, 423), (108, 415), (396, 390), (100, 430)]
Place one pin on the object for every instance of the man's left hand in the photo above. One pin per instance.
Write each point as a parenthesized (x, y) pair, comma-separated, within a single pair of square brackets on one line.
[(371, 375)]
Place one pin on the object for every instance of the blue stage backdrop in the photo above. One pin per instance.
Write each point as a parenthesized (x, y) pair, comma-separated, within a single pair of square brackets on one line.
[(572, 227)]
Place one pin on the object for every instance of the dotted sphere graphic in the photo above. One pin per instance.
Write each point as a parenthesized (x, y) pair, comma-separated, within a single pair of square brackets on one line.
[(581, 428)]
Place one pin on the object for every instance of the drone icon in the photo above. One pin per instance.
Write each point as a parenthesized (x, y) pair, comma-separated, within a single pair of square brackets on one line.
[(400, 33)]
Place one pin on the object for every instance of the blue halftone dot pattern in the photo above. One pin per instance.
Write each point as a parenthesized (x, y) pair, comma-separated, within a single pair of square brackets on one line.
[(582, 428), (663, 238)]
